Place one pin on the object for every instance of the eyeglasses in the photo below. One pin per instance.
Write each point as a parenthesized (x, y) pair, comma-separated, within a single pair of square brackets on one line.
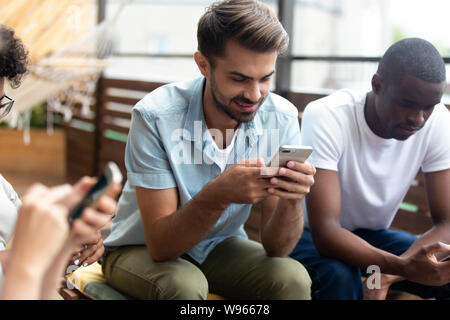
[(5, 107)]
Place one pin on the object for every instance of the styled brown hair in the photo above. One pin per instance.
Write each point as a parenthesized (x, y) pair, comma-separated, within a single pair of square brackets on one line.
[(249, 22)]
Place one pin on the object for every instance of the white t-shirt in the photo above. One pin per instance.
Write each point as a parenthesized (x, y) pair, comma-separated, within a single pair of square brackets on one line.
[(374, 173), (9, 205), (223, 155)]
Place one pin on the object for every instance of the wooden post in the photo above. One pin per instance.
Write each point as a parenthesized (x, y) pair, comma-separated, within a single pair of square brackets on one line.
[(101, 10), (283, 74), (101, 15)]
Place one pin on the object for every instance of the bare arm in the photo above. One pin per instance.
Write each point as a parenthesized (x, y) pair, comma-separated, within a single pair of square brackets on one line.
[(282, 217), (170, 232), (41, 244), (281, 226), (437, 185), (3, 256), (331, 239)]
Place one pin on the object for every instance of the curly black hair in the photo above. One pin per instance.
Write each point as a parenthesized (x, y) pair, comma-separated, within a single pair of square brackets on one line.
[(13, 57), (413, 56)]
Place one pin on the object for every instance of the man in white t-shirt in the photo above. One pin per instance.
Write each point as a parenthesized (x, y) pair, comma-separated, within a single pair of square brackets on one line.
[(368, 148)]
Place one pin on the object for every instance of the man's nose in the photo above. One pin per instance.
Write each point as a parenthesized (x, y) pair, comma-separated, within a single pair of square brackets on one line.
[(416, 118), (253, 92)]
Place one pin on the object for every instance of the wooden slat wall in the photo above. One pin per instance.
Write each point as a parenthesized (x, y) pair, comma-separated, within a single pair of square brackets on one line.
[(80, 155), (109, 117), (416, 221)]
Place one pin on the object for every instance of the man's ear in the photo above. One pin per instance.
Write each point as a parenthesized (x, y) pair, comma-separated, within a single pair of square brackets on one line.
[(377, 83), (202, 63)]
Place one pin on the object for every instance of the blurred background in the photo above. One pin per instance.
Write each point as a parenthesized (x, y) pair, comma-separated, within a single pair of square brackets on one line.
[(320, 28)]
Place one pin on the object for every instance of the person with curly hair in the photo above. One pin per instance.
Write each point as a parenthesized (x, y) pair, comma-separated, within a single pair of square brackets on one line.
[(43, 241), (13, 65), (13, 58)]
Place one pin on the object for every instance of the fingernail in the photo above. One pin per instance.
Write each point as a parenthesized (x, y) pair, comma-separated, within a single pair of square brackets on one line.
[(290, 164), (76, 262), (274, 181), (85, 264), (282, 170), (271, 190)]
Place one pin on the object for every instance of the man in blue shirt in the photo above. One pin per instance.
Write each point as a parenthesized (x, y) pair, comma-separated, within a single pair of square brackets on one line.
[(195, 160)]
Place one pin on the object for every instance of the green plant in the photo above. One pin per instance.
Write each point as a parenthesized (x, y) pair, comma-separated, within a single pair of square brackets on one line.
[(39, 116)]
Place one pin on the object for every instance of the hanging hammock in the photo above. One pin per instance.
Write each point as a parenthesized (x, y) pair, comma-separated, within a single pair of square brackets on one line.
[(67, 50)]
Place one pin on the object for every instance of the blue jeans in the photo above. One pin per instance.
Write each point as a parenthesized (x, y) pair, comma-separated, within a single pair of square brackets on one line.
[(335, 280)]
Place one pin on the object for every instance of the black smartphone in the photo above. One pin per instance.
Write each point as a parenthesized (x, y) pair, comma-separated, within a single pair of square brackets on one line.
[(111, 175)]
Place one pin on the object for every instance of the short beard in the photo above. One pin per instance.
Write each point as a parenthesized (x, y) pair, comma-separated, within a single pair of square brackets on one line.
[(238, 117)]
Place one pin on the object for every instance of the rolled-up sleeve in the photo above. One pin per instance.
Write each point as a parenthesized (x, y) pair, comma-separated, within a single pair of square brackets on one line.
[(145, 156)]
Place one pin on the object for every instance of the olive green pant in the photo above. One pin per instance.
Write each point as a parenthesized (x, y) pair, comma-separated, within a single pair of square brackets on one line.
[(236, 269)]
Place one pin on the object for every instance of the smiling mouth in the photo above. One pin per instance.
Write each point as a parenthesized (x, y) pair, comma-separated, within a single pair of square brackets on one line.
[(245, 106)]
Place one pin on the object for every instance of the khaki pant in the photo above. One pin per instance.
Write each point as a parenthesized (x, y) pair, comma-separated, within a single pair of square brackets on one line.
[(236, 269)]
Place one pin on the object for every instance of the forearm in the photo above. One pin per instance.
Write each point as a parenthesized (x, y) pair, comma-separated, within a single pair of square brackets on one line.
[(54, 274), (3, 257), (439, 233), (282, 232), (174, 234), (22, 282), (337, 242)]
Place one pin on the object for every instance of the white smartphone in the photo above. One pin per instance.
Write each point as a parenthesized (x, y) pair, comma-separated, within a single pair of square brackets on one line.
[(290, 153), (111, 175)]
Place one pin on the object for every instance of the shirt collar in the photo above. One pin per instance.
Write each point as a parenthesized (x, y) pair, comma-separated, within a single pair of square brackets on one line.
[(195, 113), (195, 118)]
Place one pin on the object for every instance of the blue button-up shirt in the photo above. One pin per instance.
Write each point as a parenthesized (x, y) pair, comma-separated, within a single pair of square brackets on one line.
[(167, 148)]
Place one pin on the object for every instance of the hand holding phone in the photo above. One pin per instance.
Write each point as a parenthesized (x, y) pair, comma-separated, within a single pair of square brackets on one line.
[(292, 182), (285, 154), (111, 176), (288, 153)]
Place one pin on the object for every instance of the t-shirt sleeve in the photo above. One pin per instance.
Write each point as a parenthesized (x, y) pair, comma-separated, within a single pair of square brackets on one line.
[(145, 156), (321, 131), (437, 157), (10, 192)]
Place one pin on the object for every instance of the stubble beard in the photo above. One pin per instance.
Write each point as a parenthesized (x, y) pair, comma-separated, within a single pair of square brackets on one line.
[(236, 116)]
